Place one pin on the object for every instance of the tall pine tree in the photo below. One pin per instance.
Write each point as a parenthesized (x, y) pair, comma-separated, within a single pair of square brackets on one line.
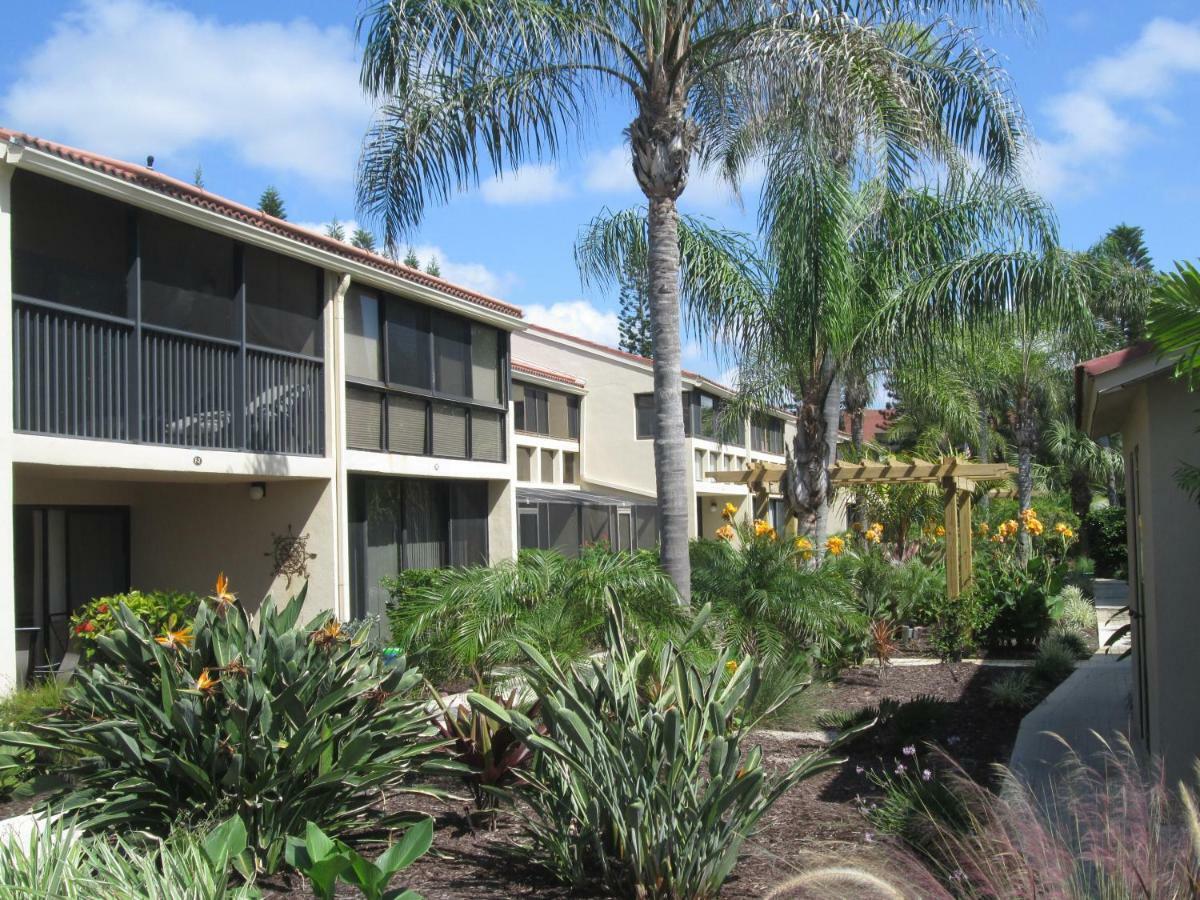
[(432, 268), (363, 239), (410, 259), (271, 203), (335, 230), (634, 317)]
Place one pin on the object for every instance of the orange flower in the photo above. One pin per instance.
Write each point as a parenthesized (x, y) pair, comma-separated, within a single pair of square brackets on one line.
[(725, 532), (763, 527), (173, 640), (206, 684), (940, 531), (223, 598), (835, 545)]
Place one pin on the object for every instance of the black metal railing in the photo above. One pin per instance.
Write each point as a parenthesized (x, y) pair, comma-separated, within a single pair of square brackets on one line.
[(74, 374)]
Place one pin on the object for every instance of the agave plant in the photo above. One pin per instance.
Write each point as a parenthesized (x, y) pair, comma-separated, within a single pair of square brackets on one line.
[(278, 723), (651, 796)]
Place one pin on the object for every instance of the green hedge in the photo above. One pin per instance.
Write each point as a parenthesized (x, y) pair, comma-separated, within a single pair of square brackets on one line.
[(1106, 535)]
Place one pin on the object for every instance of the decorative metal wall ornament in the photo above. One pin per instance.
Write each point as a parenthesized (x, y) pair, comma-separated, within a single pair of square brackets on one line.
[(290, 556)]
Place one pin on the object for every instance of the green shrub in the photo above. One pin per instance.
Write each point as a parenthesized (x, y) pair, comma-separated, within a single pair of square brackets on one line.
[(1053, 663), (1079, 646), (960, 625), (913, 796), (23, 770), (279, 723), (767, 601), (160, 610), (325, 861), (1019, 597), (896, 722), (1076, 612), (1106, 537), (57, 863), (649, 794), (1014, 690), (454, 622)]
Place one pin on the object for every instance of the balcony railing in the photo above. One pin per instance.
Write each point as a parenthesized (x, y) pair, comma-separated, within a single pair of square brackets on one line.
[(75, 374)]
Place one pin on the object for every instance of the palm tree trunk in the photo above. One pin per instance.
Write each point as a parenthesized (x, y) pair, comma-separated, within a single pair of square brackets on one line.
[(1081, 502), (985, 453), (670, 449), (1026, 434), (812, 453)]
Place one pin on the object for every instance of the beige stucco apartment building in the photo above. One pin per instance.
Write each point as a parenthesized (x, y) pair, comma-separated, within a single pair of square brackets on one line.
[(196, 387), (1132, 393)]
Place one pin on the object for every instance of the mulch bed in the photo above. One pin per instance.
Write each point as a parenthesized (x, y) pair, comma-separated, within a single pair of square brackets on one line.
[(818, 816)]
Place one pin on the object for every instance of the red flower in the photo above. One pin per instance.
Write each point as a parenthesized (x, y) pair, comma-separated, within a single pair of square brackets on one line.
[(85, 626), (102, 608)]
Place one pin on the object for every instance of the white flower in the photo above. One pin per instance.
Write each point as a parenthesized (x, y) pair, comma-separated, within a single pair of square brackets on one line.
[(910, 750), (926, 775)]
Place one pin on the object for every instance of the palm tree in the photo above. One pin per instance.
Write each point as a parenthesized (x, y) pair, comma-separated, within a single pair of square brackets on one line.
[(509, 81), (1174, 327), (1122, 281), (1086, 465)]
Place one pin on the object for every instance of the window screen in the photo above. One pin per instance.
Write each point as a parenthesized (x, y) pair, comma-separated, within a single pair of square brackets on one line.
[(528, 526), (188, 278), (548, 466), (468, 524), (569, 475), (487, 435), (362, 335), (69, 246), (485, 363), (425, 524), (407, 425), (646, 519), (573, 417), (283, 302), (451, 349), (364, 426), (596, 525), (449, 430), (563, 521), (408, 344)]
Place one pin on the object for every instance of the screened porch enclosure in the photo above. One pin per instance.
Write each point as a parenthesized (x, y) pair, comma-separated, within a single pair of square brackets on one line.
[(130, 326), (571, 521)]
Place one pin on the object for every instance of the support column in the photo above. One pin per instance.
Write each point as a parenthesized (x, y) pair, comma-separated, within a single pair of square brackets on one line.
[(9, 155), (336, 286), (966, 567), (950, 524)]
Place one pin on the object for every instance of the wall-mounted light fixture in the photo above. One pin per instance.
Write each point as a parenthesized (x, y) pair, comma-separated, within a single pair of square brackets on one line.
[(258, 490), (712, 506)]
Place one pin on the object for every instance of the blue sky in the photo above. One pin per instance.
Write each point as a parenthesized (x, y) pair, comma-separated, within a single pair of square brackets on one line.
[(266, 92)]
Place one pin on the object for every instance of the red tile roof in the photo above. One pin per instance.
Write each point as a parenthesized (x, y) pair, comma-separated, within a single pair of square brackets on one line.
[(875, 422), (180, 190), (529, 368), (1117, 358)]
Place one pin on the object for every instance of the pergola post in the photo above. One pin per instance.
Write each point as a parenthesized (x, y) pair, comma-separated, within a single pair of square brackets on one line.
[(966, 548), (953, 537)]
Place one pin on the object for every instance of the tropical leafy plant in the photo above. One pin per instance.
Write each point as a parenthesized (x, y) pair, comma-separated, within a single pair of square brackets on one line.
[(767, 600), (160, 610), (325, 861), (1106, 540), (650, 795), (491, 751), (279, 723), (471, 619), (56, 862)]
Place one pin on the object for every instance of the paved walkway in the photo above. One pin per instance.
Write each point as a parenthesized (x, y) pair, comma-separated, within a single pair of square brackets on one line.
[(1111, 596), (1097, 699)]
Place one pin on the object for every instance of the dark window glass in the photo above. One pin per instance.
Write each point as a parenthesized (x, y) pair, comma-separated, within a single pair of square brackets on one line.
[(518, 398), (485, 363), (569, 475), (573, 417), (452, 355), (283, 302), (188, 278), (563, 520), (643, 405), (597, 525), (362, 335), (425, 524), (468, 524), (647, 526), (69, 245), (527, 518), (707, 408), (408, 343), (533, 411)]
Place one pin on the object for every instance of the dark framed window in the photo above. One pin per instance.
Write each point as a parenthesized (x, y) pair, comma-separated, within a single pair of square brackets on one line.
[(70, 246), (573, 417), (443, 378), (531, 409), (569, 527), (643, 406), (766, 434), (411, 523)]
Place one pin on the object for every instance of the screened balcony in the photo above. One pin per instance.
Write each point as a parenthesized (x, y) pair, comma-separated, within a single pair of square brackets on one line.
[(129, 326)]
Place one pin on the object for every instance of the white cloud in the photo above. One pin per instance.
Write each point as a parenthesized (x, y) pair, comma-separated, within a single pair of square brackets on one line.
[(577, 317), (611, 172), (1113, 107), (528, 184), (473, 275), (135, 77)]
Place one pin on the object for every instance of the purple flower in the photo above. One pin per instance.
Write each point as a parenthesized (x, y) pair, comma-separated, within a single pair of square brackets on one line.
[(899, 768), (910, 750), (926, 775), (859, 769), (952, 740)]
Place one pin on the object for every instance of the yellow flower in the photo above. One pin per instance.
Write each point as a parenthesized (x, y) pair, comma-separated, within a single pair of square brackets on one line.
[(728, 512), (802, 543), (223, 598), (984, 528), (877, 526), (835, 545), (1029, 515), (173, 640), (873, 536), (1068, 533), (1033, 526), (206, 684), (997, 539), (764, 528), (1061, 527), (731, 666), (940, 531), (725, 532)]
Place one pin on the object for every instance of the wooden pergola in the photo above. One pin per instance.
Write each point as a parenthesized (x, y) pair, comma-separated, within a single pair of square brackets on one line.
[(957, 478)]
